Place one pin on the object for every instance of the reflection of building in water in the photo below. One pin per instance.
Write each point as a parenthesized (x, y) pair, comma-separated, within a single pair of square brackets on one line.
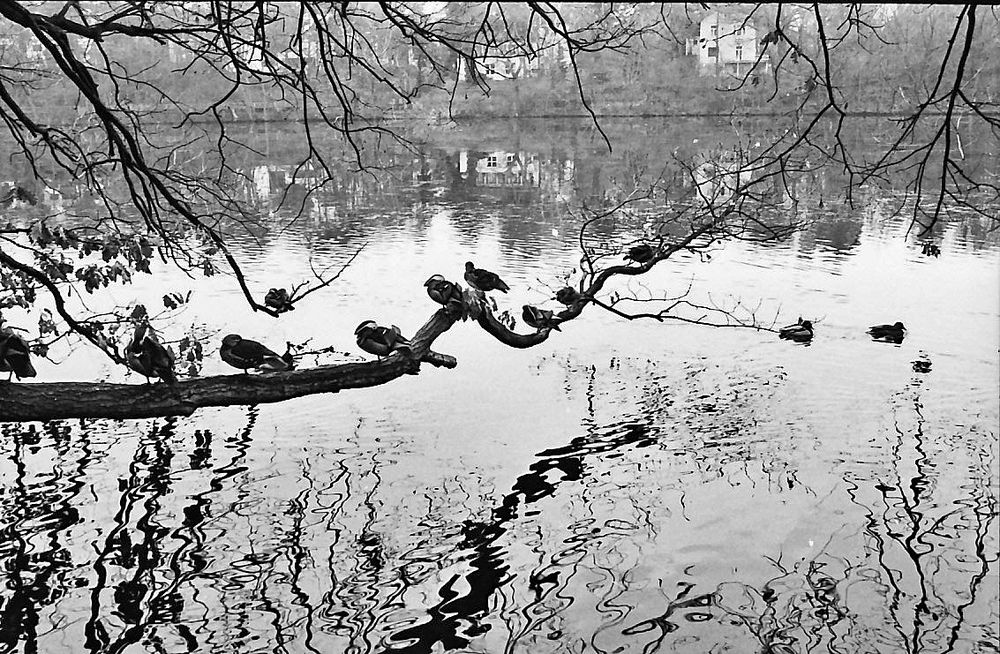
[(262, 182), (718, 179), (508, 169), (558, 185), (433, 176), (548, 180)]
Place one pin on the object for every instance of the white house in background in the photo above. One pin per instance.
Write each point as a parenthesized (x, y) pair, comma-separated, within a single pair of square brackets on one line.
[(549, 51), (499, 67), (726, 44)]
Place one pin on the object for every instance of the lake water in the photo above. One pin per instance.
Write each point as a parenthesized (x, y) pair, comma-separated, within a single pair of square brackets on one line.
[(624, 487)]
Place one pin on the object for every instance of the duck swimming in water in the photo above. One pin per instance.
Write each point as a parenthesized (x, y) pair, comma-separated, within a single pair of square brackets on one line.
[(800, 332), (147, 356), (15, 355), (484, 280), (889, 333), (380, 341), (243, 353)]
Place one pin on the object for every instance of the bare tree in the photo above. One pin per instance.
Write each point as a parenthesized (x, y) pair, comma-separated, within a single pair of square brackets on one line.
[(333, 69)]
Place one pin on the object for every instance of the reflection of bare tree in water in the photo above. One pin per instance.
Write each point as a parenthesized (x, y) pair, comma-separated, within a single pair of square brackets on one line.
[(467, 600), (920, 560), (36, 512), (202, 556), (150, 595), (148, 480), (931, 575), (141, 569)]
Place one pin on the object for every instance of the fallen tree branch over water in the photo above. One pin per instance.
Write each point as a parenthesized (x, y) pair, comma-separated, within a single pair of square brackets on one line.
[(62, 400)]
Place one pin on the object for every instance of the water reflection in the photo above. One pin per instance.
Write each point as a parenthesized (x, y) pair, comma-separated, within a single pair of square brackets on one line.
[(537, 168), (615, 521), (627, 488)]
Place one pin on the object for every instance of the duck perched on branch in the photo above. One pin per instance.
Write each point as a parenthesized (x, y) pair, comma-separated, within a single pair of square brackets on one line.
[(539, 318), (380, 341), (147, 356), (641, 253), (243, 353), (279, 300), (800, 332), (889, 333), (484, 280), (15, 355), (445, 293), (568, 296)]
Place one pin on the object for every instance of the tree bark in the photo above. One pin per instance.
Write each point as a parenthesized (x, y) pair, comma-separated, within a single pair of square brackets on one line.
[(61, 400), (21, 402)]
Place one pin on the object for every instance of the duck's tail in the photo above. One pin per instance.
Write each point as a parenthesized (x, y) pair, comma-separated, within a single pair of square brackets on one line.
[(276, 363), (25, 369)]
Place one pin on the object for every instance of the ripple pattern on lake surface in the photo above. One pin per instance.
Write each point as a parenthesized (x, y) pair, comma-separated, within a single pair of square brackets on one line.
[(626, 487)]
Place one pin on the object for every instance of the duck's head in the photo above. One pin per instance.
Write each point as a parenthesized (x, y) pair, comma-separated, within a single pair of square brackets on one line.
[(365, 326), (140, 331), (469, 266), (899, 326), (807, 324), (231, 340), (434, 279)]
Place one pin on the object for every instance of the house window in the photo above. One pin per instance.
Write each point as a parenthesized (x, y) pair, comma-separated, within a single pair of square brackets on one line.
[(740, 31), (491, 161), (713, 51), (739, 53), (510, 158), (715, 31)]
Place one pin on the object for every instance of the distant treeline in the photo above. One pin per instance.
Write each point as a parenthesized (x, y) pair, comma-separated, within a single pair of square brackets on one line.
[(892, 72)]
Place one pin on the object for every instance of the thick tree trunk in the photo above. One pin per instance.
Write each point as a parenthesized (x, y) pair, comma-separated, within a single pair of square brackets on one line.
[(60, 400)]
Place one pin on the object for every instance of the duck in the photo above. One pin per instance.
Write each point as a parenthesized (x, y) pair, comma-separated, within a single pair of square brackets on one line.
[(148, 357), (931, 250), (484, 280), (380, 341), (539, 318), (15, 355), (800, 332), (279, 300), (889, 333), (795, 324), (568, 296), (641, 253), (445, 293), (243, 353)]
